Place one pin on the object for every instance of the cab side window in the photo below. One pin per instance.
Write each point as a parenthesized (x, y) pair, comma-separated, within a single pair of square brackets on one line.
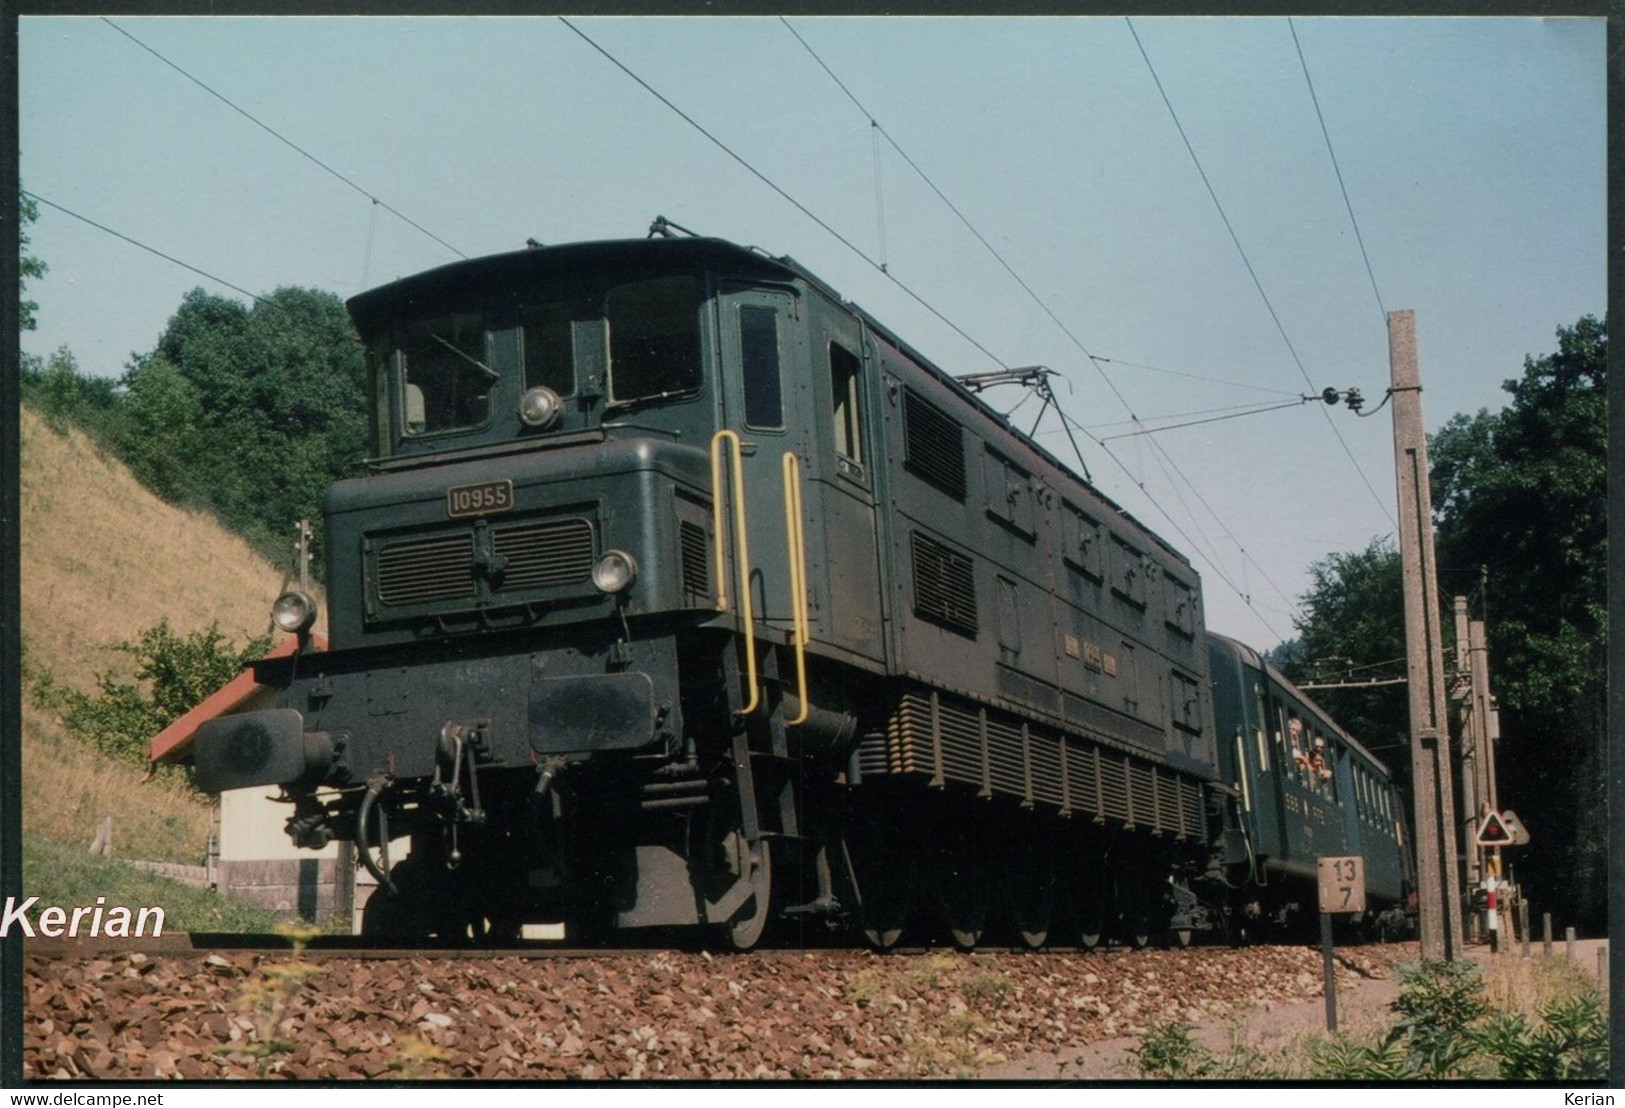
[(759, 353), (843, 380)]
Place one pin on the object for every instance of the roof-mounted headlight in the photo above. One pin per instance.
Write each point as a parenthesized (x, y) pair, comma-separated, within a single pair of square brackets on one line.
[(294, 612)]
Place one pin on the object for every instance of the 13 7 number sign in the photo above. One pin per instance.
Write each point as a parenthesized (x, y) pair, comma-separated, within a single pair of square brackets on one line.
[(1342, 884)]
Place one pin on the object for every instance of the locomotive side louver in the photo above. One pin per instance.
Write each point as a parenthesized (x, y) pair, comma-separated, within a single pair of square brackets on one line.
[(695, 559), (953, 741), (933, 446), (944, 586)]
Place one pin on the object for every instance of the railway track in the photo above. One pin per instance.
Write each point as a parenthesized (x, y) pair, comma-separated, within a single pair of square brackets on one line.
[(348, 946), (205, 1007)]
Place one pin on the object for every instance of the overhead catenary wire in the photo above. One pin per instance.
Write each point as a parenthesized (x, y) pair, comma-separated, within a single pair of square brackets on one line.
[(268, 129), (1212, 419), (1195, 376), (798, 205), (1247, 262), (143, 246), (1094, 360), (1098, 427), (257, 298), (1337, 169)]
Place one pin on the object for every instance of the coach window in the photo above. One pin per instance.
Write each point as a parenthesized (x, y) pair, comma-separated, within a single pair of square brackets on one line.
[(548, 351), (445, 375), (654, 339), (759, 357), (843, 383)]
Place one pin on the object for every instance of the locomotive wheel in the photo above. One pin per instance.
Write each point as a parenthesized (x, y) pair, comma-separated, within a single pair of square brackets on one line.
[(963, 875), (1089, 908), (1032, 900), (403, 915), (880, 861), (1134, 912), (749, 923)]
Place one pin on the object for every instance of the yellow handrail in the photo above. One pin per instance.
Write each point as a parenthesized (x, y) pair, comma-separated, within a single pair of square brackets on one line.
[(717, 522), (796, 540)]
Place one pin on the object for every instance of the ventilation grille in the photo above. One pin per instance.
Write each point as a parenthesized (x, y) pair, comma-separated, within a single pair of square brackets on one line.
[(696, 559), (523, 557), (933, 446), (954, 741), (544, 555), (944, 586), (428, 569)]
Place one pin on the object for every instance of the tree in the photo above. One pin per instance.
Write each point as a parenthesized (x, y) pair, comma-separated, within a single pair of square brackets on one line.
[(31, 268), (1354, 629), (251, 412), (1518, 494), (1522, 492)]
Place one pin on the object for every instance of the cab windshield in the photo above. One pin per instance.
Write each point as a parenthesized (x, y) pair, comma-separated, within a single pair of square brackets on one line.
[(446, 380), (462, 371), (654, 338)]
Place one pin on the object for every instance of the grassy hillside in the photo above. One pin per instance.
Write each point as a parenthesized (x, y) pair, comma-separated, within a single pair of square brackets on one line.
[(102, 560)]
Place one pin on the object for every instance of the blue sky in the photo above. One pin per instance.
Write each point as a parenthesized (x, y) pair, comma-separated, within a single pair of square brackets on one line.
[(1472, 151)]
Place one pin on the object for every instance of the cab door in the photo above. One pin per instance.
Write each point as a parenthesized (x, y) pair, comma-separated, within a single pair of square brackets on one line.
[(844, 558), (764, 391)]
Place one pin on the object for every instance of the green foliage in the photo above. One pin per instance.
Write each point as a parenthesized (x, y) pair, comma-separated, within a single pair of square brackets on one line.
[(62, 873), (1340, 1059), (1518, 495), (1571, 1043), (1446, 1030), (62, 394), (31, 268), (251, 412), (1438, 1002), (174, 674), (1168, 1053), (1356, 621)]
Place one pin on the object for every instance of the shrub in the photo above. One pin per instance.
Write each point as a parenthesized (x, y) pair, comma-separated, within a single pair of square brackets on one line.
[(174, 674)]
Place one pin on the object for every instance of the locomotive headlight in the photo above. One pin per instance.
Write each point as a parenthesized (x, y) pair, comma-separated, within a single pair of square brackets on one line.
[(293, 612), (540, 407), (614, 571)]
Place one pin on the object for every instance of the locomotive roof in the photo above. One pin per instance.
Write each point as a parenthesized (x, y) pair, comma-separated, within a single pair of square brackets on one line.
[(1253, 658), (542, 261), (532, 262)]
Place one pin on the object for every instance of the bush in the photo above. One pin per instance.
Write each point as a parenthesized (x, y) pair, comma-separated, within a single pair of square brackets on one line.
[(175, 673), (1446, 1029)]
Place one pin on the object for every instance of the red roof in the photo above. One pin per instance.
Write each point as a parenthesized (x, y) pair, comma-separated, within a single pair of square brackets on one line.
[(175, 741)]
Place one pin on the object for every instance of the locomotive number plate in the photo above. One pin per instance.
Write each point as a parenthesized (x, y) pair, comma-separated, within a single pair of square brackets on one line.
[(481, 499)]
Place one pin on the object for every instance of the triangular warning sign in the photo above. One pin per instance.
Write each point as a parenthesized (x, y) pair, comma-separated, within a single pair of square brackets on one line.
[(1492, 832)]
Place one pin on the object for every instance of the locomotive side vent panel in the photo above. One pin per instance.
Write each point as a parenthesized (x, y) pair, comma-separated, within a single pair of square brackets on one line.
[(933, 446), (695, 559), (1044, 752), (544, 555), (944, 586), (423, 570)]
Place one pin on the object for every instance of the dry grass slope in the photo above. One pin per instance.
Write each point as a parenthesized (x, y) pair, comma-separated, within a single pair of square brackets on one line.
[(103, 559)]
